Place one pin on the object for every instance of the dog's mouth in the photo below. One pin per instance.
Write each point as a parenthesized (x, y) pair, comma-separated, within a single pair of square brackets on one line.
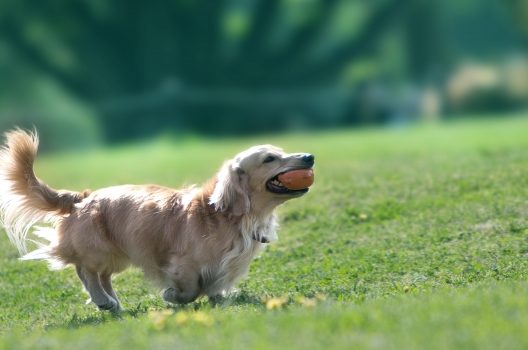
[(274, 185)]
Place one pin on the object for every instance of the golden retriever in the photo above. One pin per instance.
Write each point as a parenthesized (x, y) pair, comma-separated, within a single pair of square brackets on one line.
[(194, 241)]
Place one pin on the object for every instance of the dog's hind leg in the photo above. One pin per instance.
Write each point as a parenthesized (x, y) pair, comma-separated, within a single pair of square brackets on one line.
[(92, 283), (185, 288), (106, 283), (81, 276)]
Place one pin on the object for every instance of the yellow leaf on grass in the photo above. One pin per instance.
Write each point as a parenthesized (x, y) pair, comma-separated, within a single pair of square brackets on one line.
[(203, 318), (159, 318), (275, 303)]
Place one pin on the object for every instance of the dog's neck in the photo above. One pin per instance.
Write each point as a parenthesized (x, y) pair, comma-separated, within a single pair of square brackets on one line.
[(260, 229)]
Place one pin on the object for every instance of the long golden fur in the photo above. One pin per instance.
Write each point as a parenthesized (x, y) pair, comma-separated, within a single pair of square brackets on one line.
[(191, 242)]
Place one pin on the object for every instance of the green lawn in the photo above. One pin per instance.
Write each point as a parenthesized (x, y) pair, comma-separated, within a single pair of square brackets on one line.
[(410, 238)]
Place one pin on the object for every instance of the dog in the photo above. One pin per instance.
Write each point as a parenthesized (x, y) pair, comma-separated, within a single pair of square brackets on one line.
[(192, 242)]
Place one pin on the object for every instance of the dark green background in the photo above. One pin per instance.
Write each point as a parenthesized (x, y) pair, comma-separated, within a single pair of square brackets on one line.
[(87, 72)]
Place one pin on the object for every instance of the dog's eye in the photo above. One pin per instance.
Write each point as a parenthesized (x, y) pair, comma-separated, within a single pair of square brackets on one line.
[(269, 159)]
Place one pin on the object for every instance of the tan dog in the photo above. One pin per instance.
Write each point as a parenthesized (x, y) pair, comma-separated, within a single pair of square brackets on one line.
[(192, 242)]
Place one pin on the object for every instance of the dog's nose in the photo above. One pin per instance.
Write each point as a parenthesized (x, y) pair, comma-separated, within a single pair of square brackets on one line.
[(307, 158)]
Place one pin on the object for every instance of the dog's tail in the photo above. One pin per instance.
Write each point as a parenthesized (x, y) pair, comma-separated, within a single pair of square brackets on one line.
[(24, 199)]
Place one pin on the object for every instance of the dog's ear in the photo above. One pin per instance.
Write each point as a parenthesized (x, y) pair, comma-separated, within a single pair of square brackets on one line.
[(231, 190)]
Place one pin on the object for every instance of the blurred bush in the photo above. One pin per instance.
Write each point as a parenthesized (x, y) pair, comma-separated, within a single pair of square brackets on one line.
[(485, 88)]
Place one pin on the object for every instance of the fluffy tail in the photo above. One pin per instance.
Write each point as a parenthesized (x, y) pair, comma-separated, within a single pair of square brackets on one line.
[(24, 199)]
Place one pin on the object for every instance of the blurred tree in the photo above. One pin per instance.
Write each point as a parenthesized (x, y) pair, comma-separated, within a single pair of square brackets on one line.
[(425, 39), (179, 63), (519, 11)]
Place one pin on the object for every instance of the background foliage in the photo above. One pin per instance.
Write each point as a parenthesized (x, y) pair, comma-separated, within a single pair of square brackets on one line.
[(120, 70)]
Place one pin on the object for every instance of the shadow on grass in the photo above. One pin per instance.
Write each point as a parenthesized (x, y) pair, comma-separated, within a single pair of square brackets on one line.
[(102, 317), (238, 299), (77, 321)]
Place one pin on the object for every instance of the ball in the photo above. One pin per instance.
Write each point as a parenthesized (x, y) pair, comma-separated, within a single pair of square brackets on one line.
[(297, 179)]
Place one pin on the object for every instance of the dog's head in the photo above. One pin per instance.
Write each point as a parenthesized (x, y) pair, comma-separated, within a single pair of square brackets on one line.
[(249, 182)]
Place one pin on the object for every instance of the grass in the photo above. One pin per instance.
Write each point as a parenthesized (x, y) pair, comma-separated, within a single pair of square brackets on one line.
[(410, 238)]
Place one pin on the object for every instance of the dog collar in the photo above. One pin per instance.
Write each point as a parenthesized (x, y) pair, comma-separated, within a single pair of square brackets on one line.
[(261, 240)]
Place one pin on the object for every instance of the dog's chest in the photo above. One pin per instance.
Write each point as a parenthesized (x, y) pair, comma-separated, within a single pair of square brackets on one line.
[(233, 264), (229, 268), (220, 277)]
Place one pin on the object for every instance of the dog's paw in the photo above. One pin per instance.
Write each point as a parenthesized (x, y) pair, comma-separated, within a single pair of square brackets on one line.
[(223, 298), (112, 306), (175, 296)]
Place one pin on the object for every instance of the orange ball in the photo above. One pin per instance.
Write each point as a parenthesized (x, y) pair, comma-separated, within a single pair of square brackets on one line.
[(297, 179)]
